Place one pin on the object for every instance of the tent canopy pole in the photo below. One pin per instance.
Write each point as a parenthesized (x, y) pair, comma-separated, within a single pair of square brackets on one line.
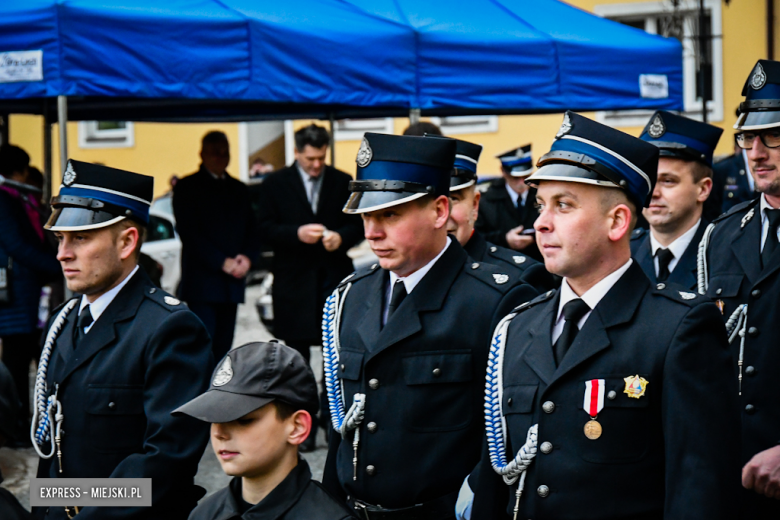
[(62, 119)]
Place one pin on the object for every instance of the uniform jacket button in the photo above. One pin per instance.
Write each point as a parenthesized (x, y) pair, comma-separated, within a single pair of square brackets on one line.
[(371, 427), (111, 405), (546, 447), (475, 265), (373, 383), (753, 331), (750, 371), (750, 409), (509, 401), (343, 367), (611, 395), (548, 407), (718, 290), (436, 372), (371, 470), (755, 293), (543, 491)]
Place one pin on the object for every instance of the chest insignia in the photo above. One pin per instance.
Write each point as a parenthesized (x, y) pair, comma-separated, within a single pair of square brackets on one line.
[(635, 386)]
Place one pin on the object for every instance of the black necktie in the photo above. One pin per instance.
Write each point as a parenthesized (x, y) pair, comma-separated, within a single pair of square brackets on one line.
[(84, 321), (573, 312), (398, 296), (664, 257), (773, 215)]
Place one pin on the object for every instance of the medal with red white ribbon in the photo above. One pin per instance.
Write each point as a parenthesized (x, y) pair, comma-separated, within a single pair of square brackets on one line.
[(593, 404)]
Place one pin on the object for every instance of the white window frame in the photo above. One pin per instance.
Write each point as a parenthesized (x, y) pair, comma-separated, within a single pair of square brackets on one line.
[(353, 129), (467, 124), (91, 137), (693, 107)]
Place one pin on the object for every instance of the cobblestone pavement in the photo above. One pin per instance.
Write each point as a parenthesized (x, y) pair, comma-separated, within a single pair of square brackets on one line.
[(19, 466)]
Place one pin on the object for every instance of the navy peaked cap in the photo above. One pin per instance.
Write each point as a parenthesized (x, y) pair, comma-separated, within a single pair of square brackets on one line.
[(761, 108), (682, 138)]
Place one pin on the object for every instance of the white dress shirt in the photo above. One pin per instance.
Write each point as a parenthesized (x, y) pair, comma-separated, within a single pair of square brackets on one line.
[(677, 247), (514, 195), (592, 297), (103, 301), (763, 206), (411, 281)]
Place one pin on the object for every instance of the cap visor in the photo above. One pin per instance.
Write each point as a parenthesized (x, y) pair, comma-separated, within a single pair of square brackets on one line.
[(367, 201), (568, 173), (69, 218), (758, 120), (217, 406), (521, 173), (459, 186)]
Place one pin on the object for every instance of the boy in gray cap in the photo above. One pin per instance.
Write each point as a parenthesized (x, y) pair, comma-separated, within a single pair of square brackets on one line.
[(260, 405)]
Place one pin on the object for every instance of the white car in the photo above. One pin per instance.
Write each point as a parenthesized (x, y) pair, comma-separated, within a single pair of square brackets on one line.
[(164, 246)]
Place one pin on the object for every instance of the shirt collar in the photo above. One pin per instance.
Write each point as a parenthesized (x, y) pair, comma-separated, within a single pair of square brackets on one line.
[(593, 295), (104, 300), (679, 245), (305, 176), (411, 281), (512, 193)]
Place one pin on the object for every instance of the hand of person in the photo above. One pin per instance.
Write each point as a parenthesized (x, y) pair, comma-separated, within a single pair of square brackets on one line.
[(331, 240), (243, 264), (229, 265), (516, 240), (310, 233), (762, 473)]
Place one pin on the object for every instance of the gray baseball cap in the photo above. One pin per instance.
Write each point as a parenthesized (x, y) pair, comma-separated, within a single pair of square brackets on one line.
[(251, 376)]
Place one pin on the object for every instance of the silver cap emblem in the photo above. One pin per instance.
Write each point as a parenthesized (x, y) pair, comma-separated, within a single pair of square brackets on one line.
[(519, 259), (565, 127), (758, 80), (224, 374), (500, 278), (687, 295), (70, 175), (364, 154), (657, 127), (170, 300)]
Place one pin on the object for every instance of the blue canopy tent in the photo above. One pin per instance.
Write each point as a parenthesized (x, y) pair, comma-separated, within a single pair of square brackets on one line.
[(207, 60)]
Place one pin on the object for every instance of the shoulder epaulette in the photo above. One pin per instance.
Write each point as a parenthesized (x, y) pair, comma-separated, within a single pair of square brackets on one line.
[(511, 257), (492, 275), (536, 301), (737, 209), (638, 233), (678, 294), (59, 307), (360, 273), (163, 299)]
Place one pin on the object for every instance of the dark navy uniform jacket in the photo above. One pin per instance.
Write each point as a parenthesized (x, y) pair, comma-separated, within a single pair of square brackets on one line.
[(497, 215), (736, 277), (666, 455), (142, 358), (480, 249), (684, 272), (297, 497), (424, 377)]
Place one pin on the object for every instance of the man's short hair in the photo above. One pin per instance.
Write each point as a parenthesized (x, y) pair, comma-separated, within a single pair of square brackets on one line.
[(12, 160), (312, 135), (283, 410), (700, 171), (611, 197), (213, 137), (422, 128)]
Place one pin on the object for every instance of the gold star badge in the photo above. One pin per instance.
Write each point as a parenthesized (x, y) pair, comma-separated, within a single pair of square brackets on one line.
[(635, 386)]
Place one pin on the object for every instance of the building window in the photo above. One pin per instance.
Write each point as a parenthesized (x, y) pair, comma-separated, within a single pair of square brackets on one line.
[(106, 134), (353, 129), (466, 124), (678, 19)]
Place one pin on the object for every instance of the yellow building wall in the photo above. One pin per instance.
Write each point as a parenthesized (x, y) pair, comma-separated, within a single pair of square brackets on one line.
[(161, 150)]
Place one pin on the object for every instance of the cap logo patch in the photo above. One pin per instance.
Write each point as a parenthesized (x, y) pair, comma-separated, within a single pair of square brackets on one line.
[(565, 127), (657, 127), (70, 175), (365, 154), (500, 278), (758, 80), (224, 374)]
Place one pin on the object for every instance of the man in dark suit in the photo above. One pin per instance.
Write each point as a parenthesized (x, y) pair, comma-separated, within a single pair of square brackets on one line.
[(507, 212), (404, 344), (611, 398), (219, 242), (118, 359), (743, 276), (301, 219), (667, 252), (733, 181)]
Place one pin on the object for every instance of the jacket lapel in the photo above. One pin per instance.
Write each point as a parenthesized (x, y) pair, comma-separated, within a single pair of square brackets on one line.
[(644, 257), (745, 249), (103, 332), (685, 271), (617, 307), (297, 186), (539, 354), (371, 324), (429, 295)]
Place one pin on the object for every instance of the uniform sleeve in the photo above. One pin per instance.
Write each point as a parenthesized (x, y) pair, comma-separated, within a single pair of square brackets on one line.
[(178, 363), (190, 227), (518, 295), (701, 420)]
